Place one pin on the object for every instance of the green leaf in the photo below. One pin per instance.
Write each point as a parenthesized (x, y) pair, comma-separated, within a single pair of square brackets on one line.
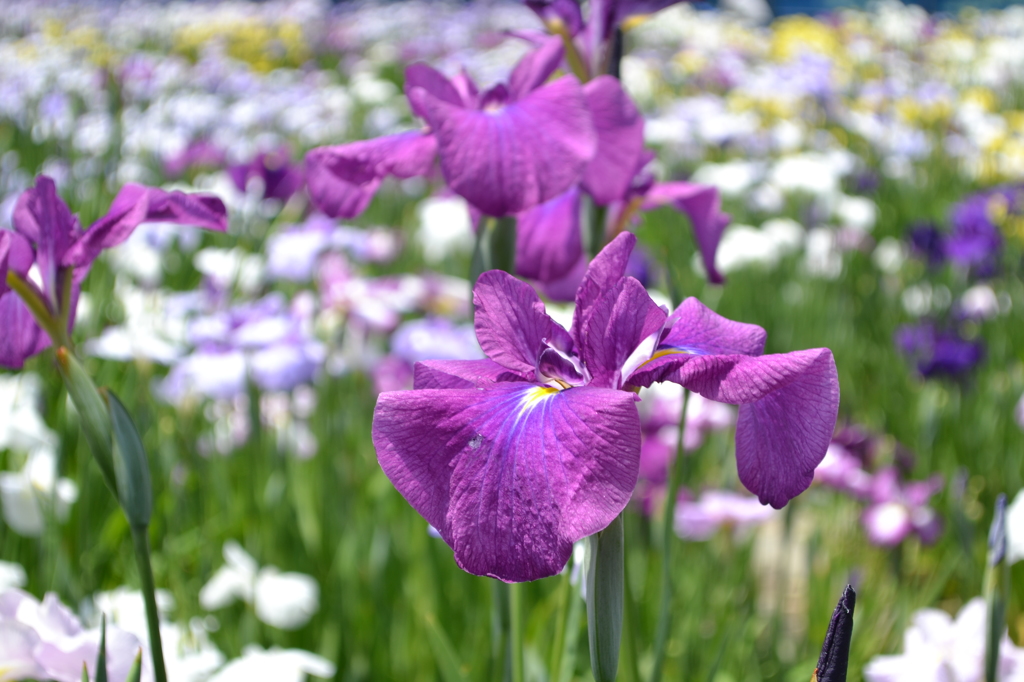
[(444, 653), (92, 411), (101, 659), (135, 672), (130, 465), (85, 673), (605, 586)]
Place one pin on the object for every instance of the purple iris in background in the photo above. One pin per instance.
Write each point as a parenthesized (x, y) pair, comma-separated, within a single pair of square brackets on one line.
[(939, 352), (506, 149), (49, 254), (515, 457), (280, 177), (548, 244), (896, 507), (974, 240)]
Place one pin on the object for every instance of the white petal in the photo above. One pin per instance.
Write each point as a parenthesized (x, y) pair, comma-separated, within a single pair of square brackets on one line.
[(286, 600), (226, 585)]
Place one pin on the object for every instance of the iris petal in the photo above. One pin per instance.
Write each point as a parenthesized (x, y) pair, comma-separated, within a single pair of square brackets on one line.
[(511, 324), (515, 157), (548, 242), (513, 475)]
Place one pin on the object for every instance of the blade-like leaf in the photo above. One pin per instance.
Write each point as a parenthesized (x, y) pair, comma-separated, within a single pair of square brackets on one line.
[(444, 653), (101, 659), (135, 672), (130, 465)]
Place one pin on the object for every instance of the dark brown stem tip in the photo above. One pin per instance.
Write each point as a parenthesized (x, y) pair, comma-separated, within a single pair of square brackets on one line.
[(835, 652)]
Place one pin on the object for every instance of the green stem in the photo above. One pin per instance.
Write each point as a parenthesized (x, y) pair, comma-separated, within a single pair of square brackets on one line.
[(39, 308), (675, 477), (499, 618), (515, 594), (140, 538), (630, 664), (572, 639), (562, 609), (605, 584)]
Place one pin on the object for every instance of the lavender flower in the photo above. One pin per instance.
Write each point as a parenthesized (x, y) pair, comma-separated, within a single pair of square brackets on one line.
[(279, 176), (700, 519), (939, 352), (937, 648), (515, 457)]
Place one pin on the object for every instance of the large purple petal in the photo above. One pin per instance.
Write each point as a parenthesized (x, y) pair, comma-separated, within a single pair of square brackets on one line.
[(43, 218), (617, 323), (788, 407), (620, 140), (137, 204), (421, 75), (507, 159), (535, 68), (548, 243), (461, 374), (702, 204), (607, 268), (343, 179), (511, 324), (511, 476)]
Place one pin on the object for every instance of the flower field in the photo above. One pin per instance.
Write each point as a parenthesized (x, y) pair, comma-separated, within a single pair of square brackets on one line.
[(510, 341)]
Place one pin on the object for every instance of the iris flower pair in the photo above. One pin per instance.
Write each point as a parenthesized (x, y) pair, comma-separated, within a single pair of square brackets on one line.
[(515, 457), (531, 148), (47, 255)]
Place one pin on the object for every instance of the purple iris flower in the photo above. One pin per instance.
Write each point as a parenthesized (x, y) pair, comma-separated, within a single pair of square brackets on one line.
[(900, 508), (48, 240), (504, 150), (281, 178), (937, 351), (198, 154), (548, 244), (974, 241), (927, 240), (515, 457)]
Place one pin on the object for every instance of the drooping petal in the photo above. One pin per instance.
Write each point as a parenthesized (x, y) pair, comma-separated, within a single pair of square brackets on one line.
[(620, 140), (703, 205), (343, 179), (42, 217), (461, 374), (698, 329), (511, 324), (788, 408), (535, 68), (137, 204), (548, 243), (508, 159), (607, 268), (511, 476), (617, 323), (421, 75)]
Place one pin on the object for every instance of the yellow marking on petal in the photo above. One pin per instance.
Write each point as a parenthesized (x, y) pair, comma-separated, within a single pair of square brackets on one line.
[(664, 352), (534, 396)]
